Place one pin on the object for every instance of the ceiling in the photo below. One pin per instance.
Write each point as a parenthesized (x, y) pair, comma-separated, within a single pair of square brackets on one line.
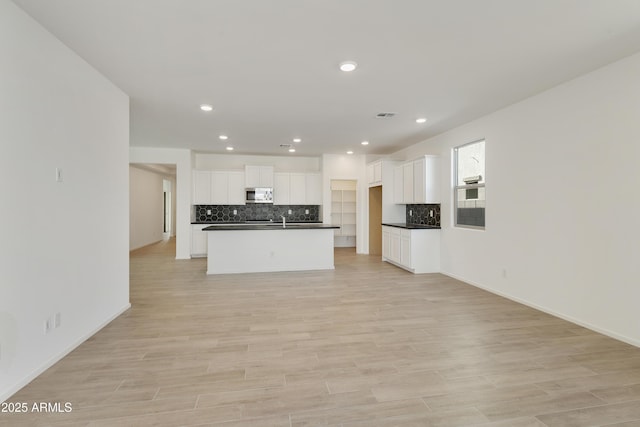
[(270, 68)]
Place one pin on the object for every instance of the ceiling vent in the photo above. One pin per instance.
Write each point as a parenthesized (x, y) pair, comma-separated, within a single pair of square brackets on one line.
[(385, 115)]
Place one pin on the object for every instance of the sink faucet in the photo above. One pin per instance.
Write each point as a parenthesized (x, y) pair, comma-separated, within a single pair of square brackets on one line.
[(284, 221)]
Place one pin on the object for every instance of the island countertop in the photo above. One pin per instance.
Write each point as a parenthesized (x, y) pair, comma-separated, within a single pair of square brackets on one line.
[(270, 226)]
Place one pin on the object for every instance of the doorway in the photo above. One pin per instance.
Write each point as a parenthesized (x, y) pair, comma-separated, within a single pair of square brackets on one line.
[(375, 220), (167, 208), (152, 204), (343, 211)]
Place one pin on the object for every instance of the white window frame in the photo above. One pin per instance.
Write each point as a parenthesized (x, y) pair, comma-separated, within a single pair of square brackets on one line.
[(457, 187)]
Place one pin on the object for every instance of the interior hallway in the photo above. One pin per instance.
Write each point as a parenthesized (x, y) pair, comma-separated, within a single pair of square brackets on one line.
[(365, 345)]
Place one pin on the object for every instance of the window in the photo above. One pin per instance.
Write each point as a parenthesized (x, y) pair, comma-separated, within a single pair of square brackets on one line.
[(469, 187)]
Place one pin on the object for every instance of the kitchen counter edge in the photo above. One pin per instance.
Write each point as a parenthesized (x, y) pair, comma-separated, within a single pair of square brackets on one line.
[(275, 226), (412, 226)]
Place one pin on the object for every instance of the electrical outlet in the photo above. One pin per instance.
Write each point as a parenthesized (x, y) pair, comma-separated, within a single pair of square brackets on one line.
[(208, 211), (306, 211), (410, 212), (57, 320), (58, 175), (235, 212), (289, 211), (431, 213), (47, 325)]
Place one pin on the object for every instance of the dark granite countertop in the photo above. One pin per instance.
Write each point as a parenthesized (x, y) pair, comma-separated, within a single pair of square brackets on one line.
[(251, 222), (270, 226), (412, 226)]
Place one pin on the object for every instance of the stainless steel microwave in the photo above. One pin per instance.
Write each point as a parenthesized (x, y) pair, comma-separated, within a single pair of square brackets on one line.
[(259, 195)]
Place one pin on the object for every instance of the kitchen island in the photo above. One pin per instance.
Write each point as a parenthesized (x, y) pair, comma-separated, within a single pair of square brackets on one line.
[(257, 248)]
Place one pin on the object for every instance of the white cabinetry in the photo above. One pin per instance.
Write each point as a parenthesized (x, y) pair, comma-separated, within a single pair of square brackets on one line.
[(297, 188), (395, 245), (198, 240), (417, 181), (398, 185), (405, 248), (374, 173), (407, 180), (258, 176), (218, 188), (314, 189), (343, 212), (236, 194), (415, 250), (281, 188), (201, 188), (386, 242)]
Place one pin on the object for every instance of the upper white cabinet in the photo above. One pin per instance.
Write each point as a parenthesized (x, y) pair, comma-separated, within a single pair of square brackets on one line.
[(314, 189), (236, 186), (218, 188), (297, 189), (258, 176), (374, 173), (407, 183), (281, 187), (417, 181), (398, 184), (201, 194)]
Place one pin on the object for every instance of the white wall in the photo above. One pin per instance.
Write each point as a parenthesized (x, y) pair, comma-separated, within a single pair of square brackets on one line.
[(64, 246), (562, 203), (146, 207), (344, 166), (205, 161), (183, 159)]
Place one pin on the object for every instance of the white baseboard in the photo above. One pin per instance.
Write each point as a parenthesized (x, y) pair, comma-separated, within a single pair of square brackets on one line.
[(554, 313), (55, 359)]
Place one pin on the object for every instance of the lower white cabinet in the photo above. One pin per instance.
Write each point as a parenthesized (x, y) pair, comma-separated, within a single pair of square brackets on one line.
[(416, 250), (199, 240)]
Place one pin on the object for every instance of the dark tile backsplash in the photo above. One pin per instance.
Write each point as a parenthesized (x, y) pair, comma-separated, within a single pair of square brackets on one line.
[(420, 214), (224, 213)]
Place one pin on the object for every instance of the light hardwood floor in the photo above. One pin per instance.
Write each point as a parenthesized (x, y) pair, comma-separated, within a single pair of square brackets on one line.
[(365, 345)]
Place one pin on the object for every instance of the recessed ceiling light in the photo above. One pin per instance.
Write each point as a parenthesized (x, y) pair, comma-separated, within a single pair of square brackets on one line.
[(421, 120), (292, 150), (348, 66), (349, 152), (297, 140), (229, 148), (223, 137), (365, 143), (206, 107)]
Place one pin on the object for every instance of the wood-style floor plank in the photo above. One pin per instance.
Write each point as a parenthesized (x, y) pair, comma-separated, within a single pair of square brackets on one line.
[(365, 345)]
